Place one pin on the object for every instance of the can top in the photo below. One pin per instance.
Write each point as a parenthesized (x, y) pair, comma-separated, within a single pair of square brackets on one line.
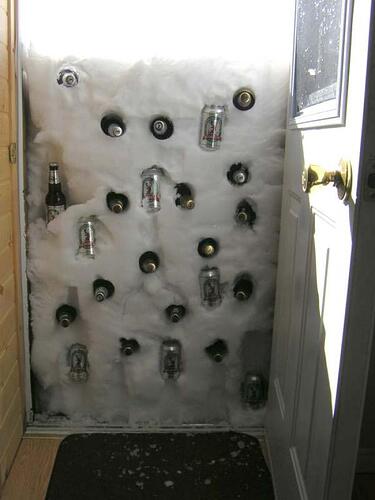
[(53, 166), (217, 108)]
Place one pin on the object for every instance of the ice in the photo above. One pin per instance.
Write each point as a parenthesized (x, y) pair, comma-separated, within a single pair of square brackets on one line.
[(168, 484), (64, 126)]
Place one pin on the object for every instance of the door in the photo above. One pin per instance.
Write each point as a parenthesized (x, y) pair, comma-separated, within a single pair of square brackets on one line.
[(313, 417), (11, 396)]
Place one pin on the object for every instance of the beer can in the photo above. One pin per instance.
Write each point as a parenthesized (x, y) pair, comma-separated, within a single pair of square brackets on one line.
[(253, 390), (209, 280), (151, 189), (170, 359), (78, 363), (212, 124), (87, 238)]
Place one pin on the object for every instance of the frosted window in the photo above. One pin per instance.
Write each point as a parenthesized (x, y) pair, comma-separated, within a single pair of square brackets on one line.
[(317, 52)]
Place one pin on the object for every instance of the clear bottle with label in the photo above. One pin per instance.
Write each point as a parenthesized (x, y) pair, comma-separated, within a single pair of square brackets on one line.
[(151, 193), (55, 198)]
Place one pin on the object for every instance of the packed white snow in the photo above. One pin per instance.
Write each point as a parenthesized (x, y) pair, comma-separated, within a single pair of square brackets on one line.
[(64, 127)]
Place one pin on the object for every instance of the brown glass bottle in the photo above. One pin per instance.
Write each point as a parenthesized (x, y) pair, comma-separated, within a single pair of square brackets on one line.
[(149, 262), (129, 346), (102, 289), (175, 313), (208, 247), (65, 315), (117, 202), (184, 196), (217, 351), (55, 199)]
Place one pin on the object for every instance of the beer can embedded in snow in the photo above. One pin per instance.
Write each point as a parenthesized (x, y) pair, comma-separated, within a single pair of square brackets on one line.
[(212, 124), (151, 189), (170, 359), (87, 239), (78, 363), (209, 280)]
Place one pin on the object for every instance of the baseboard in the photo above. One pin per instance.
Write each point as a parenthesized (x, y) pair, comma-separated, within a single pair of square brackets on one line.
[(366, 461)]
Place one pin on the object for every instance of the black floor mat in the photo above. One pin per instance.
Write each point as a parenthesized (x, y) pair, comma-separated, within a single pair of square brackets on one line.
[(178, 466)]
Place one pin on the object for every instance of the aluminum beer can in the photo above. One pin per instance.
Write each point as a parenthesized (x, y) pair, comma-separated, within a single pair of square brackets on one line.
[(253, 390), (212, 124), (151, 189), (170, 359), (78, 363), (209, 280), (87, 239)]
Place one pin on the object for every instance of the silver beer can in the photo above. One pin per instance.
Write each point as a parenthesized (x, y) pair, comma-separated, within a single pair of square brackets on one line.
[(254, 390), (170, 359), (151, 189), (78, 362), (209, 280), (87, 238), (212, 124)]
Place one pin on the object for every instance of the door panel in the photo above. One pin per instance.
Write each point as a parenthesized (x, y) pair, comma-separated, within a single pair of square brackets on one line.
[(316, 242)]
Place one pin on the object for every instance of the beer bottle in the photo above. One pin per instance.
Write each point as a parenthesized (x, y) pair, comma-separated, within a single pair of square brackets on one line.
[(245, 214), (149, 262), (161, 127), (175, 313), (55, 199), (238, 174), (113, 125), (184, 197), (129, 346), (117, 202), (68, 77), (243, 287), (217, 350), (65, 315), (243, 99), (103, 289), (208, 247)]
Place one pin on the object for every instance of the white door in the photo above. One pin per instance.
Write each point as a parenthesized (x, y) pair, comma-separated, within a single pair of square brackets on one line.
[(316, 245)]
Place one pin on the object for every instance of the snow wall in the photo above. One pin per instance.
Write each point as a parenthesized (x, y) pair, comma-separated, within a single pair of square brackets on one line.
[(140, 69)]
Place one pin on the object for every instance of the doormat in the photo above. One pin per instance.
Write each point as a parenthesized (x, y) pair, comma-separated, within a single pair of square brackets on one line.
[(163, 466)]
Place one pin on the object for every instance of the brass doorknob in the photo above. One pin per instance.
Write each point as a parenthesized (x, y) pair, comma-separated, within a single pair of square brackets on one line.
[(314, 176)]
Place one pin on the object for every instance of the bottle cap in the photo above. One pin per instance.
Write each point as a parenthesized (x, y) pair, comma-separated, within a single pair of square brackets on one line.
[(114, 130), (187, 202), (244, 99), (242, 216), (149, 267), (241, 295), (160, 127), (240, 177)]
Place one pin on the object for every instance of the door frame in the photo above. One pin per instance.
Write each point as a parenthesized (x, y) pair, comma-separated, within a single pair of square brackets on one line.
[(360, 312)]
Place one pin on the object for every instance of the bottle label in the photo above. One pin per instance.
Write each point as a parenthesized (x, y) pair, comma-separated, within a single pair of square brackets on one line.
[(54, 211)]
